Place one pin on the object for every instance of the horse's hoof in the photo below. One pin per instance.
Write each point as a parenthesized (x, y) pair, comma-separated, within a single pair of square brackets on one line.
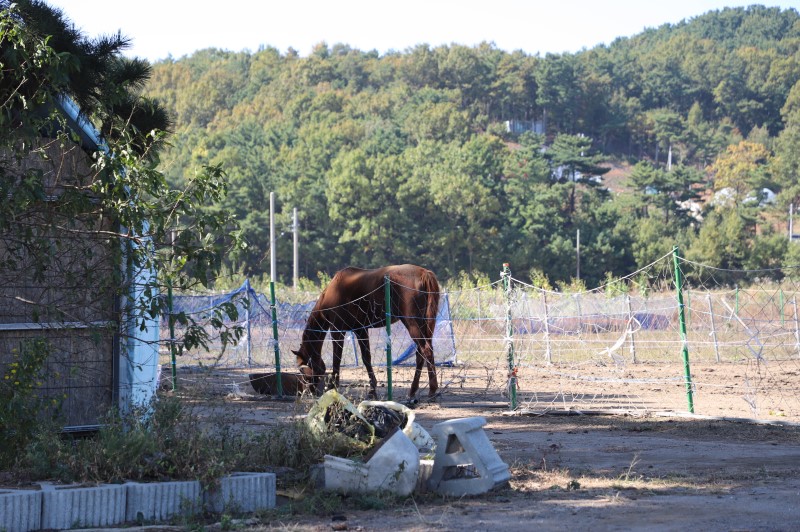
[(433, 398)]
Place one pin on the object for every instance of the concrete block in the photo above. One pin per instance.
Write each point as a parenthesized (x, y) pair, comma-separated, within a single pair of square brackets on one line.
[(243, 493), (20, 510), (465, 463), (160, 501), (77, 506)]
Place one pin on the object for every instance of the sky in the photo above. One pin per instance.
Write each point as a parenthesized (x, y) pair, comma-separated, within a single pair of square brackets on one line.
[(164, 28)]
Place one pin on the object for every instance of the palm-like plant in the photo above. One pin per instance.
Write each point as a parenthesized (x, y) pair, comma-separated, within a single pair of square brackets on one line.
[(106, 85)]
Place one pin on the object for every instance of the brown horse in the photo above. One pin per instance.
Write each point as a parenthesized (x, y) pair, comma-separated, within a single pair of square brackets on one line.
[(355, 301)]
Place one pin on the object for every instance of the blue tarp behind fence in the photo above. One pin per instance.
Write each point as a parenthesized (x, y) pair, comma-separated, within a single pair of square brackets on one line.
[(254, 312)]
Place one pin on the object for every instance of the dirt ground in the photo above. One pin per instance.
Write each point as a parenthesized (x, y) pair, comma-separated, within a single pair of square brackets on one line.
[(582, 472)]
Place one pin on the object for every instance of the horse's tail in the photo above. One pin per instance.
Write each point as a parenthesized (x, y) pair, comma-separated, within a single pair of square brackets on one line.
[(431, 286)]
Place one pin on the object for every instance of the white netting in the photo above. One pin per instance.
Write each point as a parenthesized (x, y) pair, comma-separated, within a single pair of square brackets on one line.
[(617, 347)]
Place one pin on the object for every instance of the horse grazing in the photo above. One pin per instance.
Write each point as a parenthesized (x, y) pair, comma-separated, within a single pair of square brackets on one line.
[(355, 301)]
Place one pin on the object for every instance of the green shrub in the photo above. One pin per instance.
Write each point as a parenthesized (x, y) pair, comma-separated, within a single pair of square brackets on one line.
[(20, 399), (169, 442)]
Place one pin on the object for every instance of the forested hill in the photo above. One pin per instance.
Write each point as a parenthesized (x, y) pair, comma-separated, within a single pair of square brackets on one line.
[(407, 157)]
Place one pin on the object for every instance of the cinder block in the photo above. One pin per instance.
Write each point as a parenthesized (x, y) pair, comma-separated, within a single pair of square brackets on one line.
[(465, 463), (242, 492), (20, 510), (73, 506), (160, 501)]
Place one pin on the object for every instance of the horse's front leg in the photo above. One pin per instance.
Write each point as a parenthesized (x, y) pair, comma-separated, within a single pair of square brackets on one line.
[(337, 337), (366, 357)]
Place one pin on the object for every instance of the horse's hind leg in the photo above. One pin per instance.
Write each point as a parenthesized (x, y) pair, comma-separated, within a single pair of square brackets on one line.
[(424, 356), (427, 356), (337, 338), (366, 357)]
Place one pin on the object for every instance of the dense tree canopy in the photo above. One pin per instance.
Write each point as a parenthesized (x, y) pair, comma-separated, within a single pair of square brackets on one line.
[(406, 156)]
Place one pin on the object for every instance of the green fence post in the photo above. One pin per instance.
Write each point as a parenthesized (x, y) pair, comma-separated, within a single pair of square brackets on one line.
[(172, 335), (682, 320), (387, 291), (247, 321), (274, 310), (512, 370)]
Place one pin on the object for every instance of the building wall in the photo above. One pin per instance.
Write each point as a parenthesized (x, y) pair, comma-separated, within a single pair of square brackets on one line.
[(59, 284)]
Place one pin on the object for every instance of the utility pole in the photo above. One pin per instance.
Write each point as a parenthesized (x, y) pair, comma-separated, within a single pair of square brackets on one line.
[(791, 222), (295, 231)]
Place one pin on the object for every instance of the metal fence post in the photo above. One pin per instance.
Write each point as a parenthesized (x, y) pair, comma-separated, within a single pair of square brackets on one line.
[(630, 327), (713, 328), (548, 352), (172, 336), (274, 311), (247, 321), (387, 291), (512, 370), (682, 320), (796, 326)]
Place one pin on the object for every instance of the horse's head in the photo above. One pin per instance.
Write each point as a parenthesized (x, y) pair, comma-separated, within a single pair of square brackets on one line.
[(312, 369)]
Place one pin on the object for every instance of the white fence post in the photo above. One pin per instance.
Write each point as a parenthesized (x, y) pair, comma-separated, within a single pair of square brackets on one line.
[(713, 329), (548, 354)]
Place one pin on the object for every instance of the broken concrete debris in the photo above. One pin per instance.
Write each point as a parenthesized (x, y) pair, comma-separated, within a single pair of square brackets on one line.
[(465, 462), (393, 467)]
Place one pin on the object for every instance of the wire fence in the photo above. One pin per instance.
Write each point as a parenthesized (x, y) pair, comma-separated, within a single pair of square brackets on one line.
[(621, 347)]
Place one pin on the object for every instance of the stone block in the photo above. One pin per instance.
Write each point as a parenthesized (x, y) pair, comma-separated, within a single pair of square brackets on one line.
[(20, 510), (243, 493), (80, 506), (160, 501)]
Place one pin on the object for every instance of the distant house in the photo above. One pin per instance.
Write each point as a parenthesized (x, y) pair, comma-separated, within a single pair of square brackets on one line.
[(101, 353), (517, 127)]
